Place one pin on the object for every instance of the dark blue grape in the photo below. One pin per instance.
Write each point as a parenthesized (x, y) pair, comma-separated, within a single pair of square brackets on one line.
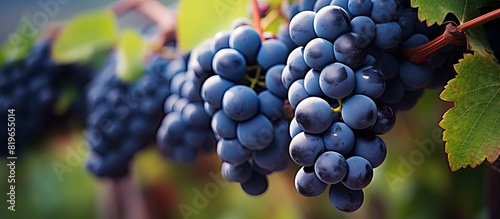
[(349, 50), (307, 183), (305, 148), (330, 167), (340, 138), (314, 115), (344, 199), (330, 22), (337, 80), (359, 112), (359, 173), (301, 27)]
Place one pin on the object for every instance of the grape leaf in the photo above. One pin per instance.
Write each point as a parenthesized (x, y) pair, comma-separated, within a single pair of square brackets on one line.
[(465, 10), (200, 20), (85, 35), (131, 50), (472, 126), (18, 44)]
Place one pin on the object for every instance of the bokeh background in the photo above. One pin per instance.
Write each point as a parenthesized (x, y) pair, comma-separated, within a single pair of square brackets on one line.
[(51, 180)]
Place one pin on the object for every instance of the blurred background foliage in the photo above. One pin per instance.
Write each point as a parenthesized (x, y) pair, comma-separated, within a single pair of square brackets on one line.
[(51, 181)]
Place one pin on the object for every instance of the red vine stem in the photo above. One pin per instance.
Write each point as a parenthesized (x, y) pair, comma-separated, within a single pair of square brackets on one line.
[(256, 18), (164, 17), (452, 35)]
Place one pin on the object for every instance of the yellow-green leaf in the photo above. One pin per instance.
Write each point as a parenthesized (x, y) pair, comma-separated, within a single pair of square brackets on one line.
[(199, 20), (131, 50), (472, 126), (435, 12), (85, 35), (18, 44)]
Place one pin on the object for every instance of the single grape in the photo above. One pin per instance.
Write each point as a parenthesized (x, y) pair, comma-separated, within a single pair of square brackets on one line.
[(385, 120), (360, 7), (307, 183), (330, 167), (359, 173), (340, 138), (383, 11), (213, 90), (364, 27), (273, 81), (314, 115), (370, 147), (330, 22), (221, 40), (297, 93), (240, 173), (246, 40), (337, 80), (318, 53), (388, 35), (270, 105), (256, 133), (370, 81), (344, 199), (305, 148), (223, 126), (311, 83), (231, 151), (296, 67), (415, 76), (256, 185), (272, 52), (359, 112), (230, 64), (349, 49), (240, 103), (301, 27)]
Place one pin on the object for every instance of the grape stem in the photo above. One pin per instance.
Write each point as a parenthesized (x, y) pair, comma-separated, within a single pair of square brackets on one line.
[(256, 18), (452, 35), (164, 17)]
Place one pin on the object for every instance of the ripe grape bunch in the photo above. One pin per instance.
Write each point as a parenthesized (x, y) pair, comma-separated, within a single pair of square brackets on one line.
[(246, 98), (123, 116), (33, 87), (345, 84)]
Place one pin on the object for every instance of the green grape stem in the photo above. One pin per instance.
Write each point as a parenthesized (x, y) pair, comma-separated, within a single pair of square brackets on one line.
[(452, 35)]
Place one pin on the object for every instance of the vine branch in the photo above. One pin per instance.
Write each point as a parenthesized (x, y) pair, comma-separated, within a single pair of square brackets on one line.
[(256, 18), (452, 35)]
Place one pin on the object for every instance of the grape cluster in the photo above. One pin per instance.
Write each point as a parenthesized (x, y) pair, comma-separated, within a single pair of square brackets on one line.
[(123, 117), (345, 82), (33, 87), (246, 98), (185, 131)]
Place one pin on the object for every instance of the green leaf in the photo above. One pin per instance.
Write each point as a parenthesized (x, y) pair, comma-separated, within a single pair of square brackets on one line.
[(18, 44), (85, 35), (472, 127), (131, 51), (465, 10), (199, 20)]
